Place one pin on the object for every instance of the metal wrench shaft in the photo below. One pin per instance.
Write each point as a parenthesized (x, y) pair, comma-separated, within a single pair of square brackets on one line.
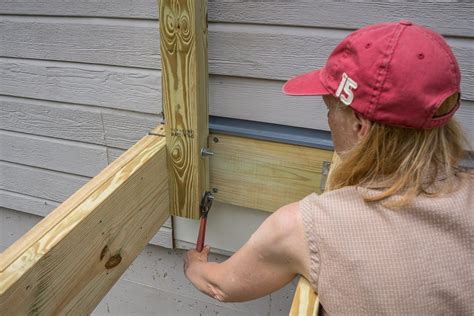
[(205, 206)]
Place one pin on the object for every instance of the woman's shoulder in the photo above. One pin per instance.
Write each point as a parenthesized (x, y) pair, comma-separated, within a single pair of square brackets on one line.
[(465, 180), (348, 193), (467, 175), (346, 201)]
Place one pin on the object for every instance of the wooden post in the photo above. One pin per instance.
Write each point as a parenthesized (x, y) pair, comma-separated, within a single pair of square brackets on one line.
[(69, 261), (183, 40)]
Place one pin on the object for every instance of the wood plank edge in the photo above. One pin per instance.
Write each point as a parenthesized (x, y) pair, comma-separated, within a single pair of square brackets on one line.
[(64, 209)]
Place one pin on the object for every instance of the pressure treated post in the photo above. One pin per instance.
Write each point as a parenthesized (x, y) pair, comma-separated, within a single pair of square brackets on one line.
[(183, 40)]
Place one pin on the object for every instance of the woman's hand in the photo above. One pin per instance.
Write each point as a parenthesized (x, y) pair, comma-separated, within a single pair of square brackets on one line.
[(192, 257), (271, 258)]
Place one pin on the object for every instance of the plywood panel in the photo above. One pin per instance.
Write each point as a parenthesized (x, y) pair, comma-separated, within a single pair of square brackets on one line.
[(268, 52), (261, 174), (102, 219), (53, 154), (344, 15)]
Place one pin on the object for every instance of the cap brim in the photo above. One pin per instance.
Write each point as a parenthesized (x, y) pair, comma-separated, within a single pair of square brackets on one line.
[(305, 84)]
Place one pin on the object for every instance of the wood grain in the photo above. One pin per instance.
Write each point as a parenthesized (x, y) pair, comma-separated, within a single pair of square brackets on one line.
[(305, 301), (183, 38), (110, 220), (25, 205), (263, 175)]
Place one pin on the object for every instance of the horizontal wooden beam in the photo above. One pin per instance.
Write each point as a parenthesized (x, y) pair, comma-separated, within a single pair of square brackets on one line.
[(69, 261), (264, 175)]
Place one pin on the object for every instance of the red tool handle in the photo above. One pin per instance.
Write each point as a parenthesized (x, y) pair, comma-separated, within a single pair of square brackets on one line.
[(202, 234)]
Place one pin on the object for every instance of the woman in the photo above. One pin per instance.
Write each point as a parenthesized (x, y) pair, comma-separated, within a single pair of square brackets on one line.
[(395, 232)]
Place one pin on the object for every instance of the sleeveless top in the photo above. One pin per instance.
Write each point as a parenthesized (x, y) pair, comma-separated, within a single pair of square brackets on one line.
[(414, 260)]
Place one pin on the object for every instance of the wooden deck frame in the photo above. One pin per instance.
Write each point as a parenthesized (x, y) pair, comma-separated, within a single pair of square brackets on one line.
[(113, 216), (69, 261)]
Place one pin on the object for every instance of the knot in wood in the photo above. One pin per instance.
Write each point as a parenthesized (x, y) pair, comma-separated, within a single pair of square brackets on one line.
[(113, 261)]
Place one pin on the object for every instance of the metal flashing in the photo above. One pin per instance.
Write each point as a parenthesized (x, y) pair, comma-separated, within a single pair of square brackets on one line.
[(272, 132)]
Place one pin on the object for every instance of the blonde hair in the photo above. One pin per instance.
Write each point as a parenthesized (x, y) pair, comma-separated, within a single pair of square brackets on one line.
[(407, 160)]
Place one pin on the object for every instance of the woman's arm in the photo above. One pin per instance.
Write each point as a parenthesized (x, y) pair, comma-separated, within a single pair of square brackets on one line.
[(271, 258)]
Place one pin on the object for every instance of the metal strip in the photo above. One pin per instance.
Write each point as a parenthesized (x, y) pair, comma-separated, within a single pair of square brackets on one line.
[(273, 132)]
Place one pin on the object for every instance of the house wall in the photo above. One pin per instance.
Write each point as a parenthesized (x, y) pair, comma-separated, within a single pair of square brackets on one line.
[(81, 82)]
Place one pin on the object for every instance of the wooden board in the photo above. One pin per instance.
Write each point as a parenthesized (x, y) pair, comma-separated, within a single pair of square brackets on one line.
[(183, 39), (267, 52), (69, 261), (332, 14), (305, 301), (25, 206), (263, 175)]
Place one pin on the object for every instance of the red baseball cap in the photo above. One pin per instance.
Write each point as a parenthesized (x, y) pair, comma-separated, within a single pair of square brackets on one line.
[(394, 73)]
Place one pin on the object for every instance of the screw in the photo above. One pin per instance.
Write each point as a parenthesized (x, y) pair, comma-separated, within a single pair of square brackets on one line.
[(206, 152), (215, 190), (215, 139)]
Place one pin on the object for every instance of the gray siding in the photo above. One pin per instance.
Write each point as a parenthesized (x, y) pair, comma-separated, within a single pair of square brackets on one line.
[(81, 82)]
